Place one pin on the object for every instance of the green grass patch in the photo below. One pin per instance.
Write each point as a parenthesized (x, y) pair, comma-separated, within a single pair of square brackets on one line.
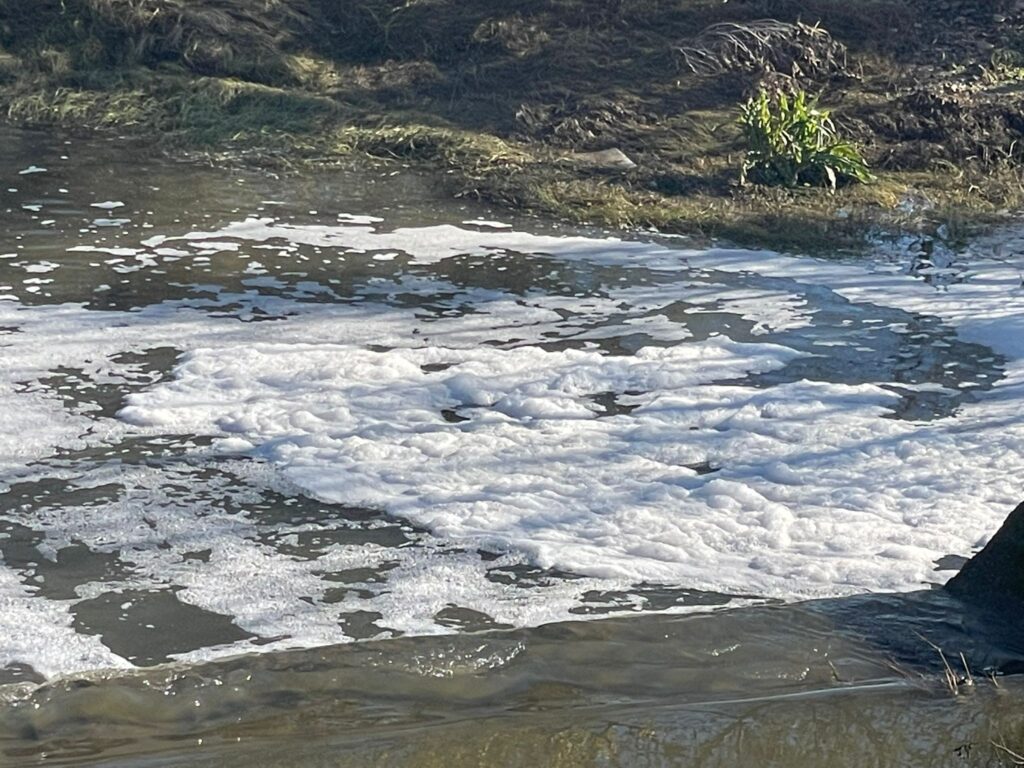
[(791, 142)]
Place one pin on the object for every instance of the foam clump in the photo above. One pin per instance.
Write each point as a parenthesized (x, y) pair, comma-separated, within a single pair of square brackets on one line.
[(523, 427)]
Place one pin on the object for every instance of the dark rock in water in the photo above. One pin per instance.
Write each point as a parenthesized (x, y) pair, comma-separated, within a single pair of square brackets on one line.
[(997, 572)]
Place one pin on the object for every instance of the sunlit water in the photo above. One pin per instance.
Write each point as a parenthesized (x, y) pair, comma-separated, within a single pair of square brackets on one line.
[(468, 655)]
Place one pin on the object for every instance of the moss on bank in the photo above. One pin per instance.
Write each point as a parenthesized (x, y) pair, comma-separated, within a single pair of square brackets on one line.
[(504, 99)]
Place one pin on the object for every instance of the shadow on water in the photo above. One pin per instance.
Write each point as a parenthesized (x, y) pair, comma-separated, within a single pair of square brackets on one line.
[(846, 682)]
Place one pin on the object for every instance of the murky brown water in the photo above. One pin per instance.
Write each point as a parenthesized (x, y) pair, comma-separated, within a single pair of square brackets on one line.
[(779, 686)]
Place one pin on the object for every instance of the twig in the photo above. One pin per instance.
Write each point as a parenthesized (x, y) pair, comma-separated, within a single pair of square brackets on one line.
[(968, 677), (951, 680), (1017, 758)]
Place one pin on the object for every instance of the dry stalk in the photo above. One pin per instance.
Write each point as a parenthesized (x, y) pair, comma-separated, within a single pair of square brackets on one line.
[(953, 681), (1015, 757), (795, 50)]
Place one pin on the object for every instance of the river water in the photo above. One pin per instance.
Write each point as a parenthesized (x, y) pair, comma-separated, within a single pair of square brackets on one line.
[(329, 469)]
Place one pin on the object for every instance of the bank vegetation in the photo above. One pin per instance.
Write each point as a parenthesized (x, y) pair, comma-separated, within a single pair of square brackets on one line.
[(517, 102)]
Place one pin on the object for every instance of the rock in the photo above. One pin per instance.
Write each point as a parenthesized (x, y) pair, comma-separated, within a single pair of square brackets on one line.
[(997, 572), (611, 159)]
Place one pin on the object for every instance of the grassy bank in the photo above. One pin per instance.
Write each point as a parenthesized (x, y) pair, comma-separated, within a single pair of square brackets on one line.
[(507, 100)]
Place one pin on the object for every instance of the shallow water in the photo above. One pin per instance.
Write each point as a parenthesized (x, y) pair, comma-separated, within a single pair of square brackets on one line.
[(780, 686), (130, 547)]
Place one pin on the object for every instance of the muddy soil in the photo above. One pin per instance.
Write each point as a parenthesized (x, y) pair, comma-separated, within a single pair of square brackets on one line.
[(519, 102)]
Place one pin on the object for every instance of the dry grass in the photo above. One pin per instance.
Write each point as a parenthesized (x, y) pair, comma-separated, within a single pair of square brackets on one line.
[(796, 50), (126, 108), (1015, 758), (954, 682), (235, 38), (474, 154), (197, 112)]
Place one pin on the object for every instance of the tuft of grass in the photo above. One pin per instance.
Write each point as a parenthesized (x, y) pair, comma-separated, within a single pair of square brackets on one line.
[(122, 108), (199, 111), (768, 45), (792, 142), (473, 154), (232, 38), (213, 109)]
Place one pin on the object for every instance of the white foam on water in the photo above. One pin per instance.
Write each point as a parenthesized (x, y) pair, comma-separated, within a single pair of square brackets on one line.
[(112, 251), (35, 423), (39, 633), (817, 496), (508, 448), (41, 267), (156, 531), (426, 245), (534, 470), (487, 223), (349, 218)]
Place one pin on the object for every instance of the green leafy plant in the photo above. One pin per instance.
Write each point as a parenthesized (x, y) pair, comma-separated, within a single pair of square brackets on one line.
[(791, 142)]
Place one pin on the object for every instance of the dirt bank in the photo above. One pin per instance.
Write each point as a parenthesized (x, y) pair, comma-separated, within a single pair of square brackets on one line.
[(507, 100)]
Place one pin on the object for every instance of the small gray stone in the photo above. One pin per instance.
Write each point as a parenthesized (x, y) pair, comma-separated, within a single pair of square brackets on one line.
[(606, 158)]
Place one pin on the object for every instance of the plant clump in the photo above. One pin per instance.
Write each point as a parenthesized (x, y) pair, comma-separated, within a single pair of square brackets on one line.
[(800, 51), (578, 123), (234, 38), (791, 142), (473, 153)]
